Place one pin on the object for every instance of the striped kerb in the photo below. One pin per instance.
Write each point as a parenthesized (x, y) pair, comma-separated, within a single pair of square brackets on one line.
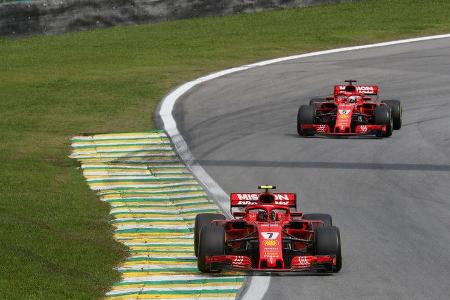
[(154, 199)]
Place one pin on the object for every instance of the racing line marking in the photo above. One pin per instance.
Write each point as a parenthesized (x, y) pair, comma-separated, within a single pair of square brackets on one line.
[(258, 285)]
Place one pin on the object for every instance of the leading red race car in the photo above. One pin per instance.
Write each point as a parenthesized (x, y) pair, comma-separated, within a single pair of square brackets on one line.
[(267, 234), (350, 111)]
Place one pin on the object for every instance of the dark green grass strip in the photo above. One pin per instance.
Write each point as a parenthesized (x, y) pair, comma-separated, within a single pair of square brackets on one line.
[(157, 191), (168, 270), (148, 190), (146, 259), (168, 199), (180, 292), (151, 230), (118, 167), (147, 221), (164, 213), (118, 145), (159, 251), (187, 281), (174, 206), (136, 180), (154, 202)]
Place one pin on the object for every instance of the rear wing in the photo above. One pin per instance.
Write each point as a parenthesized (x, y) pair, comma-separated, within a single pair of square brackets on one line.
[(245, 199), (361, 89)]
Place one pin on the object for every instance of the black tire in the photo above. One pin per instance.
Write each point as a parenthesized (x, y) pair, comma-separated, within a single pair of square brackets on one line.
[(327, 241), (396, 111), (211, 242), (200, 221), (306, 115), (383, 116), (317, 100), (325, 218)]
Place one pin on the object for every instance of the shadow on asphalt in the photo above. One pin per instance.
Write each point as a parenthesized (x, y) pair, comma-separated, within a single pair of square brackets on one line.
[(326, 165)]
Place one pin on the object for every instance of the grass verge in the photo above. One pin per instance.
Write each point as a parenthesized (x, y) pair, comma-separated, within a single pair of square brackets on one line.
[(56, 239)]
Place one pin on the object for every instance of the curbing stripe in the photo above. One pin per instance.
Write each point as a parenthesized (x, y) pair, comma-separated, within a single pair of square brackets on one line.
[(154, 199), (176, 290)]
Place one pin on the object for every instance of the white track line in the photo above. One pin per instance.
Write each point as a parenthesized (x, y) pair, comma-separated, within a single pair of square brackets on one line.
[(258, 285)]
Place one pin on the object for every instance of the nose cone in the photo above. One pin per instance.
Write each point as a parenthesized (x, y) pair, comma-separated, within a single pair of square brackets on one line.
[(271, 253), (343, 119)]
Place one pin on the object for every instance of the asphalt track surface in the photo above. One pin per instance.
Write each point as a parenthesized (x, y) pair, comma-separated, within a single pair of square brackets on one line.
[(390, 197)]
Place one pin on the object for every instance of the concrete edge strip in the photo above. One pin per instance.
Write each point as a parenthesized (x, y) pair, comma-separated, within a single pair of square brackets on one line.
[(258, 285)]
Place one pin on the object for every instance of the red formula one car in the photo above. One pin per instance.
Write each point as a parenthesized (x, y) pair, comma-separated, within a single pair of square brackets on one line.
[(350, 111), (267, 234)]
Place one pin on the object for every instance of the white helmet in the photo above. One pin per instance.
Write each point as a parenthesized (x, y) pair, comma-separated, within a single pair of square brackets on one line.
[(352, 99)]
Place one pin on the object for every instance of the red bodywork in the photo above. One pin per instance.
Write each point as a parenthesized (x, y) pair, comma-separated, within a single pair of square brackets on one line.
[(349, 111), (282, 241)]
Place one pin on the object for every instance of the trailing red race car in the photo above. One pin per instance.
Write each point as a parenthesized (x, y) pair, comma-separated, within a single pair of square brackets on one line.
[(267, 234), (350, 111)]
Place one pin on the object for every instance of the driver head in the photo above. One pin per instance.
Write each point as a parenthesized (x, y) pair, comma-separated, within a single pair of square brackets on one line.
[(262, 216)]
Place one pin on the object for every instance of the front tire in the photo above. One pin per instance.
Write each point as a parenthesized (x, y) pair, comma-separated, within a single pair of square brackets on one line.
[(328, 242), (306, 115), (383, 117), (396, 111), (200, 221), (211, 242)]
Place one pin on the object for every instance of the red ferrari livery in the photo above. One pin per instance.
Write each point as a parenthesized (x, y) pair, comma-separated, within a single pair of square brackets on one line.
[(350, 111), (267, 234)]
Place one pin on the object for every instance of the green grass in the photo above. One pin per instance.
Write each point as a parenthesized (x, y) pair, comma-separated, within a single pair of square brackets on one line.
[(55, 237)]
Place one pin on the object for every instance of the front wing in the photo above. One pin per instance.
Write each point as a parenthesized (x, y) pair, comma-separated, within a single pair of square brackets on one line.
[(359, 129), (305, 263)]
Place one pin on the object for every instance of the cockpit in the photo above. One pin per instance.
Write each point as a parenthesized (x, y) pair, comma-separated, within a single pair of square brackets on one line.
[(267, 214), (354, 99)]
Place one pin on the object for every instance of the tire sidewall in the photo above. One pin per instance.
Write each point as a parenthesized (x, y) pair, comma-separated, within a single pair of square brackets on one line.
[(327, 241), (305, 115), (396, 111), (383, 116), (211, 242), (200, 221)]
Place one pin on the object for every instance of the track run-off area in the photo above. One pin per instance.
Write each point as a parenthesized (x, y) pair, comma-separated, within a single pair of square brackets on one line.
[(390, 197)]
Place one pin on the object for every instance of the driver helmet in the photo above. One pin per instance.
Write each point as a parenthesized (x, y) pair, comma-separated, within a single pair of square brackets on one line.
[(262, 215), (352, 99)]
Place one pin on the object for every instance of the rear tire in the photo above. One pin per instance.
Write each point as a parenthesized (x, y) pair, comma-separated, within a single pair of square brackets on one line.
[(200, 221), (317, 100), (396, 111), (325, 218), (328, 242), (211, 242), (306, 115), (383, 117)]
